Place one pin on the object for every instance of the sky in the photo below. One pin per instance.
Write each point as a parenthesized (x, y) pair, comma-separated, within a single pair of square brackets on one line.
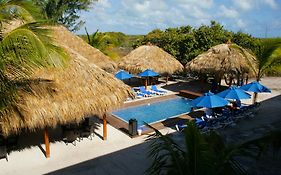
[(260, 18)]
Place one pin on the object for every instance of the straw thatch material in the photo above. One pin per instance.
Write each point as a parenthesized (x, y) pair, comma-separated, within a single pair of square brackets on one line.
[(149, 57), (223, 58), (62, 95), (65, 37)]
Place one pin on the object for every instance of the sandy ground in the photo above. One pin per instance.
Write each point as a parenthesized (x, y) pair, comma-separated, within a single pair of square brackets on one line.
[(123, 155)]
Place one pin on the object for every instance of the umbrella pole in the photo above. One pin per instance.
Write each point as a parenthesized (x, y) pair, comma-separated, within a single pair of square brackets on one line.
[(167, 78), (47, 143), (255, 97), (146, 83), (104, 127)]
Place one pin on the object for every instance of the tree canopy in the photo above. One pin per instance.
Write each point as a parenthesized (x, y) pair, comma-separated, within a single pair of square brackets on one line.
[(65, 12), (186, 42)]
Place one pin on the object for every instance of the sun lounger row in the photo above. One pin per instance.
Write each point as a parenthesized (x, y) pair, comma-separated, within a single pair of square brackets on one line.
[(221, 120), (142, 92)]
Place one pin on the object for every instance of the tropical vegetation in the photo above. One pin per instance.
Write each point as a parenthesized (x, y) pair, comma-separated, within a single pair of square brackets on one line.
[(65, 12), (204, 154), (186, 42), (25, 44)]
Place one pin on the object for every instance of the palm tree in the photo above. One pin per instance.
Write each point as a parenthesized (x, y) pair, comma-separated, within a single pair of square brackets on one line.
[(268, 55), (203, 154), (99, 40), (25, 44)]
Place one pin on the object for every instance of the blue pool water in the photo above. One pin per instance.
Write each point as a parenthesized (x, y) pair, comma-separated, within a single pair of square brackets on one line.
[(154, 112)]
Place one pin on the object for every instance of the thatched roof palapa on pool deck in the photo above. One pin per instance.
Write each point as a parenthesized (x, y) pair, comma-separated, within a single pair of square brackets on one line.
[(223, 58), (149, 57), (62, 95), (65, 37)]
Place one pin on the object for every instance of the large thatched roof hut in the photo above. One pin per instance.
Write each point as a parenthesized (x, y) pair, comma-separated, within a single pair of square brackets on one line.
[(223, 59), (66, 38), (61, 95), (149, 57)]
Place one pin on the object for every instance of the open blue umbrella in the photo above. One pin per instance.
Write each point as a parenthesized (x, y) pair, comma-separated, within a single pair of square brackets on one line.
[(234, 93), (148, 73), (209, 100), (122, 75), (255, 87)]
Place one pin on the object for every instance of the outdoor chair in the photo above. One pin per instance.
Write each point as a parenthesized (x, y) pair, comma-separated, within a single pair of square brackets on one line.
[(180, 126), (144, 91), (155, 89), (86, 130), (70, 136)]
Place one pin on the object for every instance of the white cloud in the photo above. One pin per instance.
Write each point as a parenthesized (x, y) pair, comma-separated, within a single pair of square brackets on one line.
[(244, 4), (240, 23), (228, 12), (271, 3), (205, 4), (254, 4), (104, 4), (141, 16)]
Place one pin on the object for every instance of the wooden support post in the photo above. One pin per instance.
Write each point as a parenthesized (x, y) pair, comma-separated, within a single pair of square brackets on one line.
[(104, 127), (146, 83), (255, 97), (167, 79), (47, 143)]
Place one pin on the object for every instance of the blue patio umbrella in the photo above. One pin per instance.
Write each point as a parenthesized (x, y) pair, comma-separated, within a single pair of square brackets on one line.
[(255, 87), (209, 100), (148, 73), (122, 75), (234, 93)]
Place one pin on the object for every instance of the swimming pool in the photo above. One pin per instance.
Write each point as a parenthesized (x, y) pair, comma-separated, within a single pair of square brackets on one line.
[(155, 112)]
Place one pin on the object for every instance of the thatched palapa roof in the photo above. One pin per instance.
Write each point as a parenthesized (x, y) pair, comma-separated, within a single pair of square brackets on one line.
[(223, 58), (65, 37), (149, 57), (62, 95)]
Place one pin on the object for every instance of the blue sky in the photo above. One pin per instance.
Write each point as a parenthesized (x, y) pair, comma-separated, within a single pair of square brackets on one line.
[(259, 18)]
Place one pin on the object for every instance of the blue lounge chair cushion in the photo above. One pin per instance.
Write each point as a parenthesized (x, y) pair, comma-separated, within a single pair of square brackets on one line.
[(142, 90), (154, 88)]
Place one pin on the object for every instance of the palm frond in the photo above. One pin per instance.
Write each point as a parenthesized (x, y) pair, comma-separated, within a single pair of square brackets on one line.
[(198, 152), (20, 9), (247, 58), (166, 154), (266, 54), (27, 46)]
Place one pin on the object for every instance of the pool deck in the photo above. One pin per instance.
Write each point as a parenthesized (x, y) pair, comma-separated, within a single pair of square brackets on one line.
[(171, 122), (123, 156)]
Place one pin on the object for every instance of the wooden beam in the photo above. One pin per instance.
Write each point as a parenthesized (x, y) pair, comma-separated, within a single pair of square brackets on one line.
[(146, 83), (255, 97), (47, 143), (104, 127)]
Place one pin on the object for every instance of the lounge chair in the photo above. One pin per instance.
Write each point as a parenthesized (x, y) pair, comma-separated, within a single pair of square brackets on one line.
[(154, 88), (138, 93), (181, 125), (144, 91)]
